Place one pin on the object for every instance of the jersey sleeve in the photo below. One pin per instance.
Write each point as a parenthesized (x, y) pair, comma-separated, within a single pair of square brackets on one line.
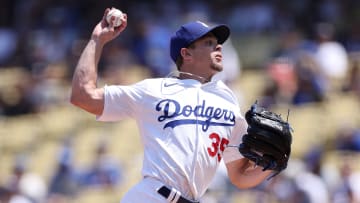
[(231, 153), (120, 102)]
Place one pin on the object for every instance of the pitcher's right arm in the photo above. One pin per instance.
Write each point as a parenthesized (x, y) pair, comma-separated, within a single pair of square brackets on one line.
[(84, 92)]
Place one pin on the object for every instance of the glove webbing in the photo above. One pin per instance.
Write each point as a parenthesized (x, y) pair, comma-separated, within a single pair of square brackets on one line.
[(272, 138), (261, 146)]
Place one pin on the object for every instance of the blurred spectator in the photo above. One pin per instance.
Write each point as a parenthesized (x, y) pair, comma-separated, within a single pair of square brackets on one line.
[(313, 158), (251, 16), (285, 71), (14, 99), (8, 43), (19, 199), (311, 84), (313, 186), (330, 11), (309, 179), (343, 192), (150, 44), (33, 187), (347, 138), (352, 42), (330, 55), (105, 172), (5, 194), (354, 181), (157, 47), (33, 92), (149, 41), (18, 170), (347, 185), (286, 190), (292, 43), (48, 87), (138, 45), (25, 186), (295, 80), (268, 95), (51, 42), (352, 80), (116, 61), (281, 84), (63, 185), (284, 186)]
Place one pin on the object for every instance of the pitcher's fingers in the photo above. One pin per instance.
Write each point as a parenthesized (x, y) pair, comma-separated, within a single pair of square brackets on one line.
[(103, 20), (123, 24)]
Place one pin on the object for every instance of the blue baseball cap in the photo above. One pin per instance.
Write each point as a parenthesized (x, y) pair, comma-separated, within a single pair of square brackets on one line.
[(192, 31)]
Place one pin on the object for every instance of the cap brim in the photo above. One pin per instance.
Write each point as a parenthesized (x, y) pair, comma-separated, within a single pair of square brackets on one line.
[(221, 32)]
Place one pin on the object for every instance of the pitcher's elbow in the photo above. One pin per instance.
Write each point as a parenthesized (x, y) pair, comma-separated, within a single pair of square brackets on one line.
[(243, 183), (75, 100)]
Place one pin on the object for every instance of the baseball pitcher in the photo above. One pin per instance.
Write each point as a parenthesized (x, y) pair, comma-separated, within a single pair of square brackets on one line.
[(188, 123)]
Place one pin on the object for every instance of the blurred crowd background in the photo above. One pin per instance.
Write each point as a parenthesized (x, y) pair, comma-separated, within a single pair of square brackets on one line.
[(300, 55)]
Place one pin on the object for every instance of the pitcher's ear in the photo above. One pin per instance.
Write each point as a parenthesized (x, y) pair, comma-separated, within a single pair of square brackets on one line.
[(184, 52)]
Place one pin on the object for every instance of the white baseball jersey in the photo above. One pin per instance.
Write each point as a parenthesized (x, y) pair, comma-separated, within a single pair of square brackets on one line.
[(185, 128)]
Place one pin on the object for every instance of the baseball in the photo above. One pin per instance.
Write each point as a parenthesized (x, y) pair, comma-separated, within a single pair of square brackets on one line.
[(114, 17)]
